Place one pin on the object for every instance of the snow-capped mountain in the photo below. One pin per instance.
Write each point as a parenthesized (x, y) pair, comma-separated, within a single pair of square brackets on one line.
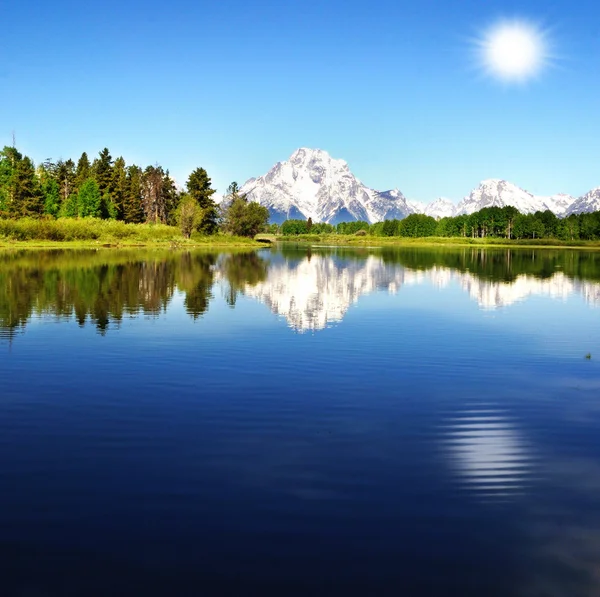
[(500, 193), (440, 208), (311, 184), (588, 203)]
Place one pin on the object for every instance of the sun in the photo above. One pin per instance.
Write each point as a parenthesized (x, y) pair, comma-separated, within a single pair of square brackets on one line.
[(514, 51)]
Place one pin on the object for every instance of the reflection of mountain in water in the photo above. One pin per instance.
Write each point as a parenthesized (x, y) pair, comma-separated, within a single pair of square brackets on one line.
[(319, 290), (494, 294)]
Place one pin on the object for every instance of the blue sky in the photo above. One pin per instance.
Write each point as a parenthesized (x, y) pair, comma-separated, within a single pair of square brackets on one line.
[(234, 86)]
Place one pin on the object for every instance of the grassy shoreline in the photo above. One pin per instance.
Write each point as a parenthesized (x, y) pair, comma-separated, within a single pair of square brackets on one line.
[(434, 241), (94, 233), (210, 242)]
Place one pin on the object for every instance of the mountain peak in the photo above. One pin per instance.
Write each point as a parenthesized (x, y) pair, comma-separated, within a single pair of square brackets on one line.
[(312, 184), (307, 156), (440, 208)]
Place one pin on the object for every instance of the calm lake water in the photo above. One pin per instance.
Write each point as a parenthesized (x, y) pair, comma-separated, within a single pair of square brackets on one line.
[(305, 421)]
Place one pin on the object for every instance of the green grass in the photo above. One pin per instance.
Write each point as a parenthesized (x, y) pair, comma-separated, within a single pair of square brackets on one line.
[(88, 232), (94, 232), (400, 241)]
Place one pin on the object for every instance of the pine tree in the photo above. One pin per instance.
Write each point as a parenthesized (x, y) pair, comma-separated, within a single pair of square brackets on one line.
[(83, 171), (171, 196), (108, 211), (102, 171), (25, 192), (198, 186), (133, 211), (119, 187)]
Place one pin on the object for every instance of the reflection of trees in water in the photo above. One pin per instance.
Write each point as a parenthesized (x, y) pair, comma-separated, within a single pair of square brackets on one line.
[(501, 265), (102, 293), (240, 270), (195, 277), (106, 287)]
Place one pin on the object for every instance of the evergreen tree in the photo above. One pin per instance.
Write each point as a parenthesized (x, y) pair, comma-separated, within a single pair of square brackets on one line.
[(119, 187), (108, 211), (102, 171), (83, 171), (25, 192), (198, 186), (171, 198), (133, 211)]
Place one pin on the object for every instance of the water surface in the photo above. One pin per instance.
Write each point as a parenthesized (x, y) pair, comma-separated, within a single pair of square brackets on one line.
[(308, 421)]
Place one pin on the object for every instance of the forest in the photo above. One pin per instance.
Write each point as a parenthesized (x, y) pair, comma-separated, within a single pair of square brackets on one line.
[(495, 222), (110, 189)]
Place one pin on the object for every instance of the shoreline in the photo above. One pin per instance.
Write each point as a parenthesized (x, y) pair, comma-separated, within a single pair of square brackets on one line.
[(436, 241), (115, 245), (322, 241)]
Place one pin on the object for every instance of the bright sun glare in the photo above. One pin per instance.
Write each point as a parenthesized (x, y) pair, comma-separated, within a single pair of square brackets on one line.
[(514, 51)]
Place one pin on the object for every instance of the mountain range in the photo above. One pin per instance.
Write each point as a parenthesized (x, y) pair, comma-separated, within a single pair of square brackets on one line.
[(312, 184)]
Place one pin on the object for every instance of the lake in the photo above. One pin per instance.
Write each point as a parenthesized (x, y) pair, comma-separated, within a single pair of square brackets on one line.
[(305, 421)]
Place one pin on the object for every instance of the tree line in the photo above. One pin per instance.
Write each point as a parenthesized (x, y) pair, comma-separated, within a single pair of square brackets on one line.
[(109, 188), (498, 222)]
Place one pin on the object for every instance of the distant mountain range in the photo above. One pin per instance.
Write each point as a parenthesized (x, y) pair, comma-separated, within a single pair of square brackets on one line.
[(312, 184)]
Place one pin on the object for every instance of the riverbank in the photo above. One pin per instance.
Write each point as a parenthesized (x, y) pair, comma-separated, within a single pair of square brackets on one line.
[(94, 233), (432, 241)]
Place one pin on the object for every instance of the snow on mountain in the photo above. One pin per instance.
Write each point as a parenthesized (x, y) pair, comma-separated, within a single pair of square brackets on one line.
[(440, 208), (417, 207), (500, 193), (559, 204), (585, 204), (311, 184)]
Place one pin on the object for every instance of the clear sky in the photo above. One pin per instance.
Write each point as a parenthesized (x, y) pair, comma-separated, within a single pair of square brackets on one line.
[(391, 86)]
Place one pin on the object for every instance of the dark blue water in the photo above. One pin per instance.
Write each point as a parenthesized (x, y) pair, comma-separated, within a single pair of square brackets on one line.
[(306, 422)]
